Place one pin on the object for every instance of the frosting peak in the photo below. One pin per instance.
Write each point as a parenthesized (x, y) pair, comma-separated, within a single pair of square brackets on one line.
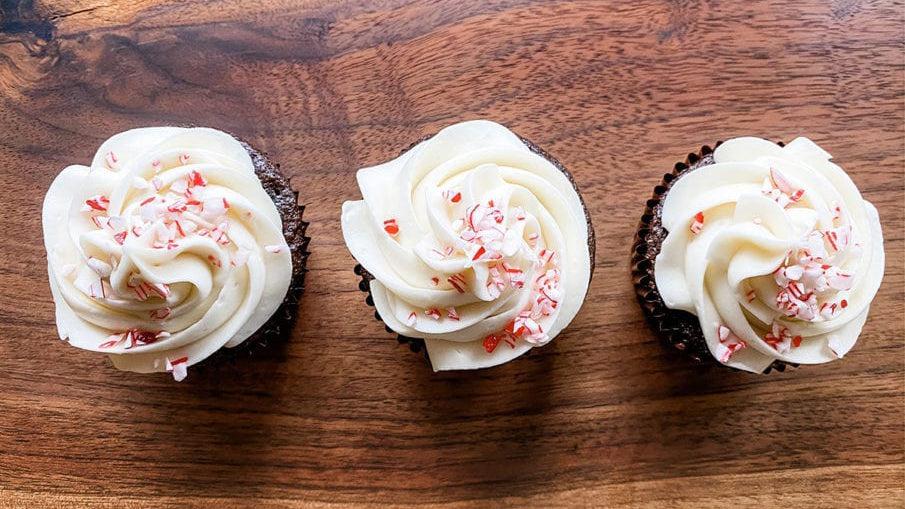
[(476, 243), (775, 251), (164, 250)]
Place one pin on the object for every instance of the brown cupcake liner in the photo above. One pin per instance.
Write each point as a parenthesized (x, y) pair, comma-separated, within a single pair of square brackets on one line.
[(417, 344), (278, 327), (677, 329)]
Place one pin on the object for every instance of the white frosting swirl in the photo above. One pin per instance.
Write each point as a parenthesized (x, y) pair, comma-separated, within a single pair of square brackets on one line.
[(476, 243), (164, 250), (775, 251)]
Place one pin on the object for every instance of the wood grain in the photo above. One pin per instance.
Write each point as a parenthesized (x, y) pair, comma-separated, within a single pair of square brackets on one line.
[(341, 415)]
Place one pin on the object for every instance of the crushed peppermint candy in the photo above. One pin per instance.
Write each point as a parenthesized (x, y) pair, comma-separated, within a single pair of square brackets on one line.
[(837, 211), (490, 343), (97, 203), (161, 220), (698, 224), (729, 344), (779, 189), (195, 178), (458, 282), (178, 367), (485, 233), (111, 160), (809, 283), (781, 339), (452, 196), (102, 268), (488, 237), (836, 345), (447, 251), (526, 325), (160, 314), (391, 227), (133, 337)]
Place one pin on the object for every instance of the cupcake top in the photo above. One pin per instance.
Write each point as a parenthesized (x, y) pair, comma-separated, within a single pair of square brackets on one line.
[(477, 244), (164, 250), (775, 251)]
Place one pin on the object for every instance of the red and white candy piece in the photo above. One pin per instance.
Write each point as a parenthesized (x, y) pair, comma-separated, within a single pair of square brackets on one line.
[(829, 310), (778, 188), (159, 314), (698, 224), (132, 338), (837, 211), (729, 344), (111, 160), (391, 227), (97, 203), (458, 282), (838, 238), (100, 267), (781, 339), (836, 345), (195, 179), (452, 196), (839, 280), (490, 342), (178, 367), (546, 257)]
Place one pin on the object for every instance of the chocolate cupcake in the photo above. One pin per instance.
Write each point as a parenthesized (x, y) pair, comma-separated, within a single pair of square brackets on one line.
[(758, 255), (473, 243), (174, 244)]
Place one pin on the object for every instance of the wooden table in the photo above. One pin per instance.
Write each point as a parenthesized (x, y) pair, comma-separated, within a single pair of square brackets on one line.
[(604, 416)]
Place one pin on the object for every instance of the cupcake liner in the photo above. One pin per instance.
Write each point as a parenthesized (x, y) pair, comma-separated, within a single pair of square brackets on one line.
[(417, 344), (677, 329), (279, 325)]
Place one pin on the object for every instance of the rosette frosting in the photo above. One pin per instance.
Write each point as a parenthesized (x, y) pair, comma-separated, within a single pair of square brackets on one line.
[(164, 250), (477, 244), (775, 251)]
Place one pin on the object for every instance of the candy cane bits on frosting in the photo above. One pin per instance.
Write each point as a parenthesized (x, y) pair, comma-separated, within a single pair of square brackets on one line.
[(162, 219)]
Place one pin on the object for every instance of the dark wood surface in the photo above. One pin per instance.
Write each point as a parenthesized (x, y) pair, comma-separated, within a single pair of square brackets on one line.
[(341, 414)]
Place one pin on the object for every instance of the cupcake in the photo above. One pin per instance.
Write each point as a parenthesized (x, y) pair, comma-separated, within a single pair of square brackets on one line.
[(173, 244), (474, 243), (758, 256)]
